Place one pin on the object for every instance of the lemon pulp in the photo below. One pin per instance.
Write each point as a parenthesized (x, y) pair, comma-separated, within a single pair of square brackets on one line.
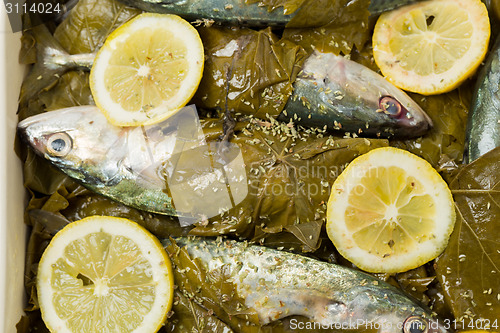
[(388, 212), (439, 40)]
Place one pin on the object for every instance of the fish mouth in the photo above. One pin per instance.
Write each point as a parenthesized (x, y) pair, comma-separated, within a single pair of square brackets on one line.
[(24, 133), (30, 133), (412, 123), (412, 130), (23, 130)]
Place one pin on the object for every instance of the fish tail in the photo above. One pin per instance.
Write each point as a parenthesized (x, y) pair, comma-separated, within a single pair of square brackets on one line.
[(51, 63)]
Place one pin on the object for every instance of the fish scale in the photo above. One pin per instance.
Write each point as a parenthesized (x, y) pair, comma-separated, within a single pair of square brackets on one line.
[(277, 284), (235, 12)]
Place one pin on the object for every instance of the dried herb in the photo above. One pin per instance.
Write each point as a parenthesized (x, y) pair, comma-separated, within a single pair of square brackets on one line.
[(260, 69), (290, 173), (333, 26)]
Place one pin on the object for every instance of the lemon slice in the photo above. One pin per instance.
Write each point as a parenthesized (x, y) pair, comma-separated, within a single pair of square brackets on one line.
[(104, 274), (432, 46), (147, 69), (390, 211)]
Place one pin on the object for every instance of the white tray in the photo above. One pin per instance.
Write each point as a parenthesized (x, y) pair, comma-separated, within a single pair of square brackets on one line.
[(12, 194)]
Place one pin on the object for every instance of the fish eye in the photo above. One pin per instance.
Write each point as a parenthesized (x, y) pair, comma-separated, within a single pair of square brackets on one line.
[(390, 106), (415, 324), (59, 144)]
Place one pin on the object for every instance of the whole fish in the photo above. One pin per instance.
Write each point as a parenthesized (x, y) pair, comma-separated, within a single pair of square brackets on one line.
[(278, 284), (483, 128), (331, 91)]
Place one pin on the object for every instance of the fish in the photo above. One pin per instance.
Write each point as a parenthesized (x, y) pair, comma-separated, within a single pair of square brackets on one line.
[(277, 284), (241, 12), (143, 167), (344, 95), (483, 126), (100, 159), (331, 91)]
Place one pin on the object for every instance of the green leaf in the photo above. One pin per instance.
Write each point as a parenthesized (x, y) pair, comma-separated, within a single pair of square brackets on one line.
[(443, 145), (41, 176), (188, 316), (343, 24), (469, 268), (90, 22), (211, 289), (72, 89), (259, 67), (326, 25)]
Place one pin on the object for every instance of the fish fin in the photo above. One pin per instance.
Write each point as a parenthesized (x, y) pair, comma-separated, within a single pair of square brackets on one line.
[(45, 72)]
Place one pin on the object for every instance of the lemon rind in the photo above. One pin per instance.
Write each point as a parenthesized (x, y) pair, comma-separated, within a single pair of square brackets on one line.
[(189, 85), (427, 175), (151, 249)]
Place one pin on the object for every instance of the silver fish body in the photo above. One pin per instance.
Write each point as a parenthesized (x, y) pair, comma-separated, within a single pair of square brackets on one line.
[(239, 12), (344, 95), (143, 167), (483, 128), (278, 284), (232, 12)]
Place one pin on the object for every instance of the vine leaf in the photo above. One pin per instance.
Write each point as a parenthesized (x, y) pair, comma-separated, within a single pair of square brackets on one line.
[(469, 268)]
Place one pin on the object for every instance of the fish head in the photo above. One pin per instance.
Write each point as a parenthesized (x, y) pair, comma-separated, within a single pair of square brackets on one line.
[(382, 308), (384, 103), (78, 140), (397, 107), (412, 320), (365, 96)]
